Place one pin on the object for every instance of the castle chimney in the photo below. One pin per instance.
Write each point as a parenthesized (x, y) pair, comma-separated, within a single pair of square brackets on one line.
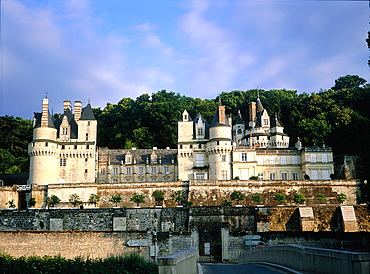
[(252, 111), (67, 104), (45, 112), (78, 109), (221, 115)]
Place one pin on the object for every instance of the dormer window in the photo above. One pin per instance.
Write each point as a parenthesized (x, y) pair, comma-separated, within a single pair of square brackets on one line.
[(200, 132), (64, 131), (153, 159), (265, 122), (128, 159)]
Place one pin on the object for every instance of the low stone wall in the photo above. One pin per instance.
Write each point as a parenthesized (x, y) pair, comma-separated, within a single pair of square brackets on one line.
[(69, 244), (310, 260), (184, 261)]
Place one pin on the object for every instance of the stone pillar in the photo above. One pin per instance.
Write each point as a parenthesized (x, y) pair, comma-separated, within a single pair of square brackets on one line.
[(306, 219), (225, 242), (349, 221)]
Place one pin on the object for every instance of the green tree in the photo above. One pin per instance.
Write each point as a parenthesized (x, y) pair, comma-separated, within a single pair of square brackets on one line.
[(299, 198), (116, 198), (237, 195), (158, 196), (137, 198), (320, 197), (257, 198), (94, 199), (341, 197), (226, 203), (177, 196), (52, 201), (280, 197), (75, 200)]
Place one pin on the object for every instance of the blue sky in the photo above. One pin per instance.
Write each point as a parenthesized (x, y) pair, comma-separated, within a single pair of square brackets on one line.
[(104, 50)]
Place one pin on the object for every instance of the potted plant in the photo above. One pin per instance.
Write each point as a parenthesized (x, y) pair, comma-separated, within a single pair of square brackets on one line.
[(52, 201), (341, 197), (138, 199), (94, 199), (280, 197), (116, 198), (75, 200), (299, 198), (257, 198)]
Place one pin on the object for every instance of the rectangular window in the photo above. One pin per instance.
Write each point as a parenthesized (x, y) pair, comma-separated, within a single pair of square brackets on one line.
[(200, 131), (128, 159), (166, 170), (63, 146), (62, 162), (265, 122), (154, 179), (244, 157), (75, 147), (87, 136), (283, 160), (200, 176), (260, 176), (223, 158), (313, 158), (46, 144), (324, 158), (128, 170), (85, 171), (295, 160), (87, 147), (272, 176), (295, 176), (284, 176), (325, 175), (314, 175), (140, 180), (86, 160), (115, 180), (128, 180), (115, 170), (88, 123), (272, 160), (65, 131), (199, 159), (154, 170), (141, 170), (166, 179), (224, 174), (102, 171)]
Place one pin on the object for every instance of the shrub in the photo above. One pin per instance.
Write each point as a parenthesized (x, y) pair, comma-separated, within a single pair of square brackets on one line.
[(32, 202), (116, 198), (253, 178), (94, 199), (226, 203), (177, 196), (237, 195), (320, 197), (10, 203), (341, 197), (299, 198), (52, 201), (75, 200), (257, 198), (137, 198), (280, 197), (158, 196)]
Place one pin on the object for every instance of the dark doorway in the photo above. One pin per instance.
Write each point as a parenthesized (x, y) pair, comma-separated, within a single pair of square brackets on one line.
[(210, 247), (22, 202)]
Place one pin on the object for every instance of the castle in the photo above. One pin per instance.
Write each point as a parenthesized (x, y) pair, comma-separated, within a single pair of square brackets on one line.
[(64, 150)]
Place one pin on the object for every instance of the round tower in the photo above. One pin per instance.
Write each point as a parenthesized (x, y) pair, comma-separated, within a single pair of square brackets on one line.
[(43, 149), (220, 146)]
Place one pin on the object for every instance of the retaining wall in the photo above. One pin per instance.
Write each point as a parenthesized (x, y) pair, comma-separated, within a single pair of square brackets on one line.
[(310, 260)]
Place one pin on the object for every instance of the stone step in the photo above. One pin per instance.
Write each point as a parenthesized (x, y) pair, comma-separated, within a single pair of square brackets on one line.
[(348, 213)]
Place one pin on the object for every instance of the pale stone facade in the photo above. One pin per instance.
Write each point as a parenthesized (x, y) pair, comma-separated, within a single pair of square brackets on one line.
[(64, 151), (258, 148)]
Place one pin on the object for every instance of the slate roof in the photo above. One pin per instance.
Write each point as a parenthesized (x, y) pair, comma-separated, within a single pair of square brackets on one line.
[(215, 121), (239, 119), (206, 127), (167, 156), (87, 113)]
